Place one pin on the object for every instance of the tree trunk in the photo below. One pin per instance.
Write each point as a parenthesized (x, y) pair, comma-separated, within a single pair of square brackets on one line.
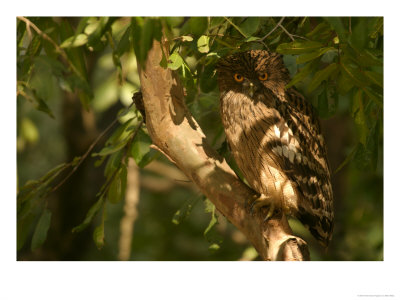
[(177, 135)]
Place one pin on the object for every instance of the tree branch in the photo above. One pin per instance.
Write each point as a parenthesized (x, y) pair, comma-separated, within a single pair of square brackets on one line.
[(175, 132)]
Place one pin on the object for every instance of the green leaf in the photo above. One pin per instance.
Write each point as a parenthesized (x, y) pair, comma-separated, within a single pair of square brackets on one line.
[(90, 215), (40, 234), (145, 30), (98, 233), (113, 163), (359, 116), (327, 102), (353, 73), (376, 78), (344, 83), (198, 25), (202, 44), (378, 28), (111, 149), (75, 41), (321, 29), (312, 55), (24, 227), (34, 46), (210, 232), (359, 35), (121, 132), (208, 80), (148, 158), (321, 76), (175, 61), (96, 29), (298, 47), (98, 236), (174, 21), (140, 146), (117, 188), (184, 211), (124, 43), (366, 157), (303, 73), (337, 24), (250, 26)]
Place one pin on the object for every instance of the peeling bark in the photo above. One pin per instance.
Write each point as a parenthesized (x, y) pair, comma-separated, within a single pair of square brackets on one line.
[(176, 134)]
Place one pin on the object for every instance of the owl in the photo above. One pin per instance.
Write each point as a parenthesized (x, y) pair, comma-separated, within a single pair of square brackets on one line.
[(275, 139)]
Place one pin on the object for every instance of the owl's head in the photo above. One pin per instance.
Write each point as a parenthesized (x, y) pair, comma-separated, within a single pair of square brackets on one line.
[(250, 71)]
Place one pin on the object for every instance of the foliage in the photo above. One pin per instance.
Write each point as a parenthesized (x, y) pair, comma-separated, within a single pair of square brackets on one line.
[(337, 62)]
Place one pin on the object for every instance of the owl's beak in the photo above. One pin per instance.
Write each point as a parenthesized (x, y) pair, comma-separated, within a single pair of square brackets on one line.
[(252, 88)]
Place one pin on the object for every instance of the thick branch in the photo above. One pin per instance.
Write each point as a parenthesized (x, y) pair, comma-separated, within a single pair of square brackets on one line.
[(174, 131)]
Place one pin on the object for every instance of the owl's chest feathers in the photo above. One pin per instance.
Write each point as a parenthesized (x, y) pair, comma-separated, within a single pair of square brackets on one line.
[(251, 128)]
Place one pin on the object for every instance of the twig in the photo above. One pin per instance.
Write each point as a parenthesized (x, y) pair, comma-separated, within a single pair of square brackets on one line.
[(84, 156), (235, 26), (273, 29), (49, 39), (279, 24), (287, 32)]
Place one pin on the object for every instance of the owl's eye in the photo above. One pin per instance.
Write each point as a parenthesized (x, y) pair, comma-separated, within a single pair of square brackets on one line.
[(263, 77), (238, 77)]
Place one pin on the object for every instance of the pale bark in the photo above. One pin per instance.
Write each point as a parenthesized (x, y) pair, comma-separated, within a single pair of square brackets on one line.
[(178, 136)]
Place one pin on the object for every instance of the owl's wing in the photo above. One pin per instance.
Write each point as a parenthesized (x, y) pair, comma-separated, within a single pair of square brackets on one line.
[(301, 152)]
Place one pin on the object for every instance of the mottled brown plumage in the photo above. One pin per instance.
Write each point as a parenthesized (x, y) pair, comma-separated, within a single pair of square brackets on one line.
[(276, 139)]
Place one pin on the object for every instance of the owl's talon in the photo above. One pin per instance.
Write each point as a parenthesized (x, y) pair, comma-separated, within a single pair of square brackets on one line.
[(263, 202)]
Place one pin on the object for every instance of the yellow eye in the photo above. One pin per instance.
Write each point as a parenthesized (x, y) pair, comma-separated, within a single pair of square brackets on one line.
[(238, 77), (263, 76)]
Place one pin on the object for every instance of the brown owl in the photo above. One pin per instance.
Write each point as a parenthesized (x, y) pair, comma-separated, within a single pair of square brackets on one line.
[(276, 139)]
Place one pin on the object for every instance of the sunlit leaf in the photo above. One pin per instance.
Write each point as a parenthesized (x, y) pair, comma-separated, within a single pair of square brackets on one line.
[(202, 44), (75, 41), (175, 61), (186, 38), (40, 234)]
